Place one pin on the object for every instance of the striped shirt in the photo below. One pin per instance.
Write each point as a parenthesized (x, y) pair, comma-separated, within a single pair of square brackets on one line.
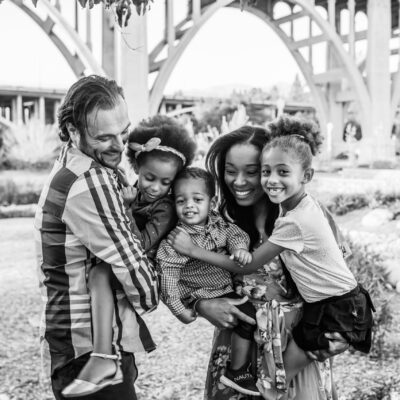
[(184, 279), (81, 221)]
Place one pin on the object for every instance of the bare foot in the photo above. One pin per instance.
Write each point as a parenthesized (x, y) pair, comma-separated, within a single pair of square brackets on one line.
[(96, 369)]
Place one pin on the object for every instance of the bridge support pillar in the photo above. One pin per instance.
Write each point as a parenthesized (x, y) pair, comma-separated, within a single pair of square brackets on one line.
[(135, 67), (376, 144), (16, 113)]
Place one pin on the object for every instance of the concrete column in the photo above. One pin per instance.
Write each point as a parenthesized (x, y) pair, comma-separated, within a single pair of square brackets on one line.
[(351, 5), (88, 29), (376, 143), (134, 67), (55, 110), (108, 48), (169, 25), (196, 10), (18, 110), (41, 114)]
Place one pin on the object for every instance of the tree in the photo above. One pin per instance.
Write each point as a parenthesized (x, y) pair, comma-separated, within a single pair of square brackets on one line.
[(123, 8), (297, 90)]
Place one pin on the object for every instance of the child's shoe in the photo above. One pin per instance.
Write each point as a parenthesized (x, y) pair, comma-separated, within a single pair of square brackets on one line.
[(80, 387), (240, 380)]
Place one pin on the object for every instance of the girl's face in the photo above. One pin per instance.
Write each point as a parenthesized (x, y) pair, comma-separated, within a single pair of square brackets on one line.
[(155, 176), (282, 177), (242, 174)]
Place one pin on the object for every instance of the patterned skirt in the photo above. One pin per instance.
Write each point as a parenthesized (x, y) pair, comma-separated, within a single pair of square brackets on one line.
[(274, 322)]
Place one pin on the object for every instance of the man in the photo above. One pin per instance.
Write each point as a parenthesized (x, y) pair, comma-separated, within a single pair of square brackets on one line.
[(80, 222)]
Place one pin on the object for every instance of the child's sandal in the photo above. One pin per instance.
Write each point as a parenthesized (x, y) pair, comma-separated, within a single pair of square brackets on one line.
[(80, 387)]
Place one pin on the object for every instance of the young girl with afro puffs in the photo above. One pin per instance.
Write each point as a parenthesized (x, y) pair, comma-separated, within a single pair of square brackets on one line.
[(158, 148)]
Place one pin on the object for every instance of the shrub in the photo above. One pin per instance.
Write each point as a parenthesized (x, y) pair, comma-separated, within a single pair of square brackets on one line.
[(343, 203), (378, 389), (11, 193), (33, 145), (368, 269)]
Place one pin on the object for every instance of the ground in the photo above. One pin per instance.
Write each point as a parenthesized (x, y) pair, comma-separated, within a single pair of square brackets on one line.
[(175, 371)]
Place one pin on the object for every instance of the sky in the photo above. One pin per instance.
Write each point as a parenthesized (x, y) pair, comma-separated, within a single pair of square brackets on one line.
[(232, 48)]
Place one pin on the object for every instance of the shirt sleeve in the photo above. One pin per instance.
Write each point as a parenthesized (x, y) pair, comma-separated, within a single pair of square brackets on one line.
[(95, 214), (161, 221), (236, 238), (169, 264), (287, 234)]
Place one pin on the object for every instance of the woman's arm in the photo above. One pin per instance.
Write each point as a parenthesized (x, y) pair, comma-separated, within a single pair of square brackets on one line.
[(182, 243)]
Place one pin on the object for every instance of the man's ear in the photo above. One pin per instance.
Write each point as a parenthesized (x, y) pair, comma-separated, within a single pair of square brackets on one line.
[(213, 203), (74, 134), (308, 175)]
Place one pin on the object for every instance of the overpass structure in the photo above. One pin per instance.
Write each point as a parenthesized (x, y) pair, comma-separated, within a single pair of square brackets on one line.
[(355, 80)]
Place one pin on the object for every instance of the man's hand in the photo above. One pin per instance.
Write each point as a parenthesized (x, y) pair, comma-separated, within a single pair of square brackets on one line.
[(129, 194), (223, 312), (241, 256), (337, 345), (181, 241), (186, 316)]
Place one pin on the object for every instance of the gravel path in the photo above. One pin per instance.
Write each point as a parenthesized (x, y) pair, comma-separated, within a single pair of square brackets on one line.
[(175, 371)]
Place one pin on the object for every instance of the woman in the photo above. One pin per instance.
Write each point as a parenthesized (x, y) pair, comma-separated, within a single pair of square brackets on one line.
[(233, 159)]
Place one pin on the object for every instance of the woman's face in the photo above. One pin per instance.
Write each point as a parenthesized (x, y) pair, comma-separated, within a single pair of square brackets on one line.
[(242, 174)]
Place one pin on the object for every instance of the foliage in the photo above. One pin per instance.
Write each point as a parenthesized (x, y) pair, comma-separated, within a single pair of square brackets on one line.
[(368, 268), (33, 145), (378, 389), (13, 193), (343, 203)]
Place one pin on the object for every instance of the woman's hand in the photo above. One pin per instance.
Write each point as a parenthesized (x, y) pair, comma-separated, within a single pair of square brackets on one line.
[(223, 312), (337, 345), (181, 241)]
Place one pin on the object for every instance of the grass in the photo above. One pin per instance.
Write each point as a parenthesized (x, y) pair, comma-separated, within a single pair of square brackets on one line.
[(176, 370)]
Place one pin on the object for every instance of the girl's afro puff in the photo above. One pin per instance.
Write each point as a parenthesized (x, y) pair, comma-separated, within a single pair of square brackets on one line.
[(171, 133), (286, 126)]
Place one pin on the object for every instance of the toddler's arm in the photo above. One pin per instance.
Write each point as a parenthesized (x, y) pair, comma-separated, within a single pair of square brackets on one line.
[(182, 243)]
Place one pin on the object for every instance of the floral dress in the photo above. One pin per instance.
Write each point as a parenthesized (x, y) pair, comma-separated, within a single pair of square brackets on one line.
[(276, 316)]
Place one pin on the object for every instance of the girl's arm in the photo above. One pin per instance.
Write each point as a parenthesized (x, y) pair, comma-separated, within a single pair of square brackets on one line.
[(183, 244)]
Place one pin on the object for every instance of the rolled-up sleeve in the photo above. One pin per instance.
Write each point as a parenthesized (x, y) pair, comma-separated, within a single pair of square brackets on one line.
[(236, 238), (162, 220), (95, 213)]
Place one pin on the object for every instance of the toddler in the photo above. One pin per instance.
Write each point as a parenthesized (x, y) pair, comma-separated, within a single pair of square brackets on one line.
[(185, 280)]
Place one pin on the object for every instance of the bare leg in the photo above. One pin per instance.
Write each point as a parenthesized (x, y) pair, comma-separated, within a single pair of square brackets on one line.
[(294, 360), (240, 355), (102, 303)]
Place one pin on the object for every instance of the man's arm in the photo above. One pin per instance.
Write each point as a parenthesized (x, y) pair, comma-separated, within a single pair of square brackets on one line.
[(95, 214)]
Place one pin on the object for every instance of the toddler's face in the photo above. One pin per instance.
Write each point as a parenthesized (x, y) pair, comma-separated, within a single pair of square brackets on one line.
[(282, 176), (192, 201), (155, 177)]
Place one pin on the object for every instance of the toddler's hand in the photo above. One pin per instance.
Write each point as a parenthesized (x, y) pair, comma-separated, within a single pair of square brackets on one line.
[(186, 316), (181, 241), (129, 194), (241, 256)]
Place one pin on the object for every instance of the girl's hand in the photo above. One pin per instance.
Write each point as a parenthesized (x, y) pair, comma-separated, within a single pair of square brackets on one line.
[(129, 194), (122, 176), (241, 256), (181, 241), (186, 316)]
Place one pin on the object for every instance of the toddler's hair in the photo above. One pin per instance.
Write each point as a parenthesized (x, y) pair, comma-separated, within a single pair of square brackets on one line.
[(299, 136), (197, 173), (170, 132)]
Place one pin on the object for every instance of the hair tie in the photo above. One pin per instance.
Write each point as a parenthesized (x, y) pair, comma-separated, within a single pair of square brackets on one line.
[(299, 136), (154, 144)]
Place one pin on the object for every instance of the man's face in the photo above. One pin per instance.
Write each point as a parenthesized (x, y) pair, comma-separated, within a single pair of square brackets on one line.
[(106, 135)]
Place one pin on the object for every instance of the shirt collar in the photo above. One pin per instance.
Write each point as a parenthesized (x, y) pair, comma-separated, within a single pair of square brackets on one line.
[(213, 220)]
